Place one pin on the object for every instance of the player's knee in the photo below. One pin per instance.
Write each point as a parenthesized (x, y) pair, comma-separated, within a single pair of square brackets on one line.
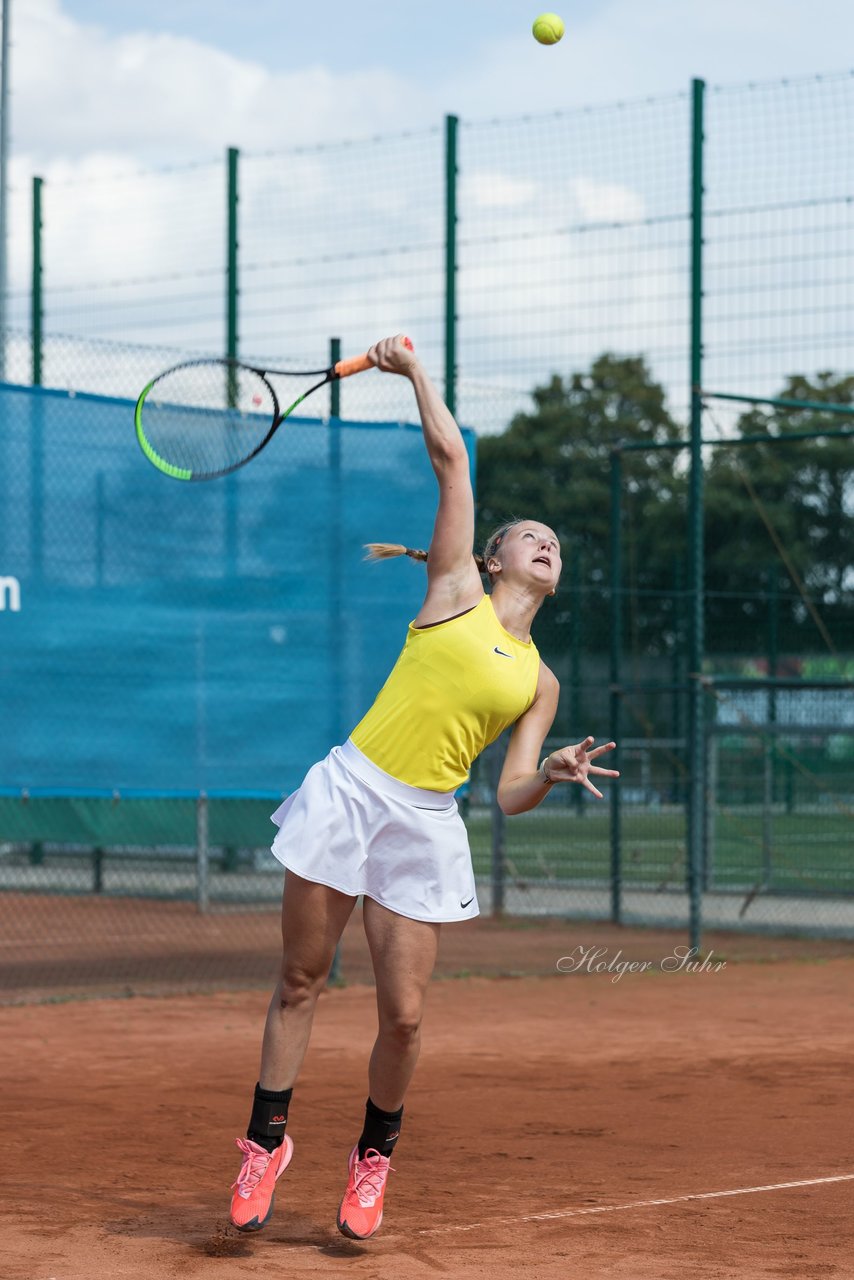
[(403, 1026), (299, 987)]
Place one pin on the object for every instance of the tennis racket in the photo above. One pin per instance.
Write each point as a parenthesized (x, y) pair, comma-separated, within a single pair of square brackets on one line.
[(205, 418)]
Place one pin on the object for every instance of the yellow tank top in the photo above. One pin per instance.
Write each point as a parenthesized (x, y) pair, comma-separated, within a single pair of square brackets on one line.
[(455, 687)]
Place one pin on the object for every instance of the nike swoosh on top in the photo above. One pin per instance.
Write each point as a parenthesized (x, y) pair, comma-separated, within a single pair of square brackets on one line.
[(501, 651)]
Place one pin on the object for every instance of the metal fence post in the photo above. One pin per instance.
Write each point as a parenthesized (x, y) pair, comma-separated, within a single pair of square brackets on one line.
[(769, 745), (696, 641), (451, 123), (202, 855), (98, 870), (36, 302), (335, 384), (616, 627), (231, 266), (37, 486), (678, 677), (231, 288), (230, 490), (575, 610), (713, 752)]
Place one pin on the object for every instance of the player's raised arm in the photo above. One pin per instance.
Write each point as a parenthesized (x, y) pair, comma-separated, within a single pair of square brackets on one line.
[(450, 558)]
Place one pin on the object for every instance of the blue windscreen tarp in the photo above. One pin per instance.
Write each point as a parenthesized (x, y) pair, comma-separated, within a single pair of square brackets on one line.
[(218, 636)]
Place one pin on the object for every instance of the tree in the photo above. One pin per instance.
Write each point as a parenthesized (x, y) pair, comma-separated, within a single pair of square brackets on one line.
[(553, 464), (778, 521)]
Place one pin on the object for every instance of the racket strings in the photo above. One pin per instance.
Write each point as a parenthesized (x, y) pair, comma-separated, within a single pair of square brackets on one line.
[(206, 418)]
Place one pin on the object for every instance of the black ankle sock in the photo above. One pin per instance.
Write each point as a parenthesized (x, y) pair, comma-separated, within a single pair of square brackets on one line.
[(381, 1131), (269, 1117)]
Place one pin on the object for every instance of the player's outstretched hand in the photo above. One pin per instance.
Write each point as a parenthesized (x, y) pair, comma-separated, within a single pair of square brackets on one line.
[(393, 355), (575, 764)]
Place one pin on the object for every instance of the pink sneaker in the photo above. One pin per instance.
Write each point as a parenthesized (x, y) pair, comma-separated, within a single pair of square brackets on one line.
[(252, 1202), (361, 1210)]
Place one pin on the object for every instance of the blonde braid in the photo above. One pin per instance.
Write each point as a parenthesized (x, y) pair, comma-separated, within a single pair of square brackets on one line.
[(387, 550)]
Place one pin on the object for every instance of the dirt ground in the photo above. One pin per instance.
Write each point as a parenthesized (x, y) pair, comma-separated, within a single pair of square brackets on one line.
[(54, 946), (647, 1126)]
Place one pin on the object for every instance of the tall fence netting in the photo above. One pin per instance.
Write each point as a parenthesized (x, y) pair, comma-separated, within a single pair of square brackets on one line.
[(573, 240)]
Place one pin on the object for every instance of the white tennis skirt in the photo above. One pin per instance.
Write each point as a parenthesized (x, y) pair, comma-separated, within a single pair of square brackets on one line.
[(355, 828)]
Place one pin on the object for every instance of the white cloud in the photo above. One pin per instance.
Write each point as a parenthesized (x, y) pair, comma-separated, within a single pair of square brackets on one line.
[(491, 189), (606, 201), (166, 97)]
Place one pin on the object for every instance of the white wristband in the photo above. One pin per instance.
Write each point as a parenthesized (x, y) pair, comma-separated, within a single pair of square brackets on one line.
[(545, 771)]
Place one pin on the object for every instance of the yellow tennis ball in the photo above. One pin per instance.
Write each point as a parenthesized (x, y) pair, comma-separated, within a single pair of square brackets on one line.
[(548, 28)]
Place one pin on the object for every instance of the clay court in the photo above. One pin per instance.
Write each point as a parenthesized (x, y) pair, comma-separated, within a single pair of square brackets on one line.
[(663, 1126)]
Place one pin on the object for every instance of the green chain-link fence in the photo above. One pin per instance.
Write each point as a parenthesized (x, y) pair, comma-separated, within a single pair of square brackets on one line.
[(706, 234)]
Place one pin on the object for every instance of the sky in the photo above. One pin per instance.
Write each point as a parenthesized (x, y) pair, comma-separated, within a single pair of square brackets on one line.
[(170, 78), (103, 88)]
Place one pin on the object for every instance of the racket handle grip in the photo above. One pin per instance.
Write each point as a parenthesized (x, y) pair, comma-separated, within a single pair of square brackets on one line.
[(357, 364)]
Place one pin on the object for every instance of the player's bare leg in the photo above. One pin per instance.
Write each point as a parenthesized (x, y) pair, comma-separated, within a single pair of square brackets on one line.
[(313, 919), (404, 954)]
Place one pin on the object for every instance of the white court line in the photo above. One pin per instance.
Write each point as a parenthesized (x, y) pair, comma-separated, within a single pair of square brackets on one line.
[(633, 1204), (335, 1242)]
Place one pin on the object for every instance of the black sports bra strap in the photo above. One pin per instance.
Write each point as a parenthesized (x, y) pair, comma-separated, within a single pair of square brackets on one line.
[(427, 625)]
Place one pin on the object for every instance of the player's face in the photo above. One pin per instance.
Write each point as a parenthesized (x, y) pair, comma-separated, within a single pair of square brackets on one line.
[(531, 555)]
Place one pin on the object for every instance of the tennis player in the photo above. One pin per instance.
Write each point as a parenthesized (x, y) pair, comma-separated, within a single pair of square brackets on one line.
[(378, 817)]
